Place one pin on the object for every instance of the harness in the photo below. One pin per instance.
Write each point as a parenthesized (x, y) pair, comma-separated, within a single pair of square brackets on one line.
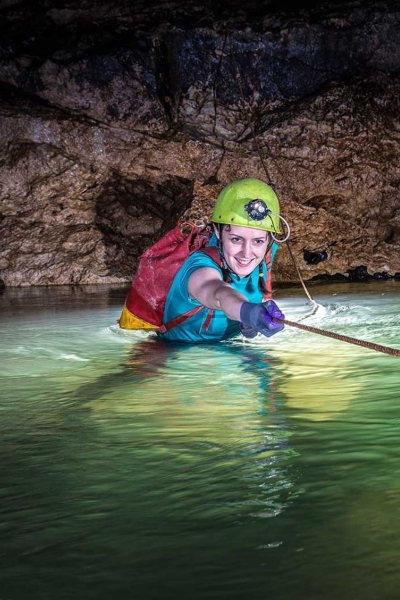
[(213, 253)]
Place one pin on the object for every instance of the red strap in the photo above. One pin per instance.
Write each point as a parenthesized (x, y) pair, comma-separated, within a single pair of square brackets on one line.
[(179, 319), (207, 322), (212, 252), (182, 318), (268, 286)]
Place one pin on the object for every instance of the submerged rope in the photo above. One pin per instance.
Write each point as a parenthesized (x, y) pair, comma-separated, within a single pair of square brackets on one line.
[(343, 338)]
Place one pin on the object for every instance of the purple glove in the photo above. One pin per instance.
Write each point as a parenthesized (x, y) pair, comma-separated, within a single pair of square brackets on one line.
[(248, 332), (258, 318)]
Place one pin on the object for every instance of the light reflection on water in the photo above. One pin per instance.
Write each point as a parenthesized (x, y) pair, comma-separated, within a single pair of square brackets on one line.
[(135, 468)]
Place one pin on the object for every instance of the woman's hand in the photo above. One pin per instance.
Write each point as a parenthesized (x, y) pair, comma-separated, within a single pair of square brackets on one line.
[(259, 318)]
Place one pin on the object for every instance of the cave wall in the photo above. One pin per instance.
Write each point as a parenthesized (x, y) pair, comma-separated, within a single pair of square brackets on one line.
[(117, 119)]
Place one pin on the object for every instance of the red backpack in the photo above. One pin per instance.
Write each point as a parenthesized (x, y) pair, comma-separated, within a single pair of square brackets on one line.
[(158, 265)]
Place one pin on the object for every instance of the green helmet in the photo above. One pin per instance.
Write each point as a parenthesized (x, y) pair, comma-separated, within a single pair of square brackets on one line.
[(249, 203)]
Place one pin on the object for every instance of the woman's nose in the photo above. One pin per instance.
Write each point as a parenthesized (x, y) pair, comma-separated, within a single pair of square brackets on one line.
[(246, 248)]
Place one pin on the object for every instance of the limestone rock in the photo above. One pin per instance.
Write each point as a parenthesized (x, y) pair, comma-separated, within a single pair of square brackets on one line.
[(118, 118)]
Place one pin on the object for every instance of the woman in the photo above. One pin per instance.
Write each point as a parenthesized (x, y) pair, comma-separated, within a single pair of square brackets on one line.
[(233, 289)]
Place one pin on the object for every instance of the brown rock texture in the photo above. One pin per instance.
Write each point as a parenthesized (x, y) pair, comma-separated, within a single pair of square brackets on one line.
[(118, 118)]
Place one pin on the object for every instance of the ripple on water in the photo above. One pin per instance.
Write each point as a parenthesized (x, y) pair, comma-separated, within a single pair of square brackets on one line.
[(224, 466)]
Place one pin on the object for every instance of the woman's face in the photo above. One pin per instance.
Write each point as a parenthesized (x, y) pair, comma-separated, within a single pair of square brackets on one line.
[(243, 247)]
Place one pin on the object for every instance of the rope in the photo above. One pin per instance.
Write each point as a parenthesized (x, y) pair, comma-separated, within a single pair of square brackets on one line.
[(337, 336), (343, 338), (247, 111), (298, 273)]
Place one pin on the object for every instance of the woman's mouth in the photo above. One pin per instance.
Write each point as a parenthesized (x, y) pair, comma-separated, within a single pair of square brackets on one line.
[(243, 262)]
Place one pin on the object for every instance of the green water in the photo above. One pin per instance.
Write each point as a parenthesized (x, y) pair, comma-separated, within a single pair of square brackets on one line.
[(134, 469)]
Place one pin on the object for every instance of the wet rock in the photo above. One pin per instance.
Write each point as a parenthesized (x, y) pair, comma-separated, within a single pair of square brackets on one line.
[(384, 276), (118, 118), (359, 274), (339, 277), (314, 257)]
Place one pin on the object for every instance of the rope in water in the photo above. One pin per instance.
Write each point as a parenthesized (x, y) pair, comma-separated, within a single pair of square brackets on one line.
[(343, 338)]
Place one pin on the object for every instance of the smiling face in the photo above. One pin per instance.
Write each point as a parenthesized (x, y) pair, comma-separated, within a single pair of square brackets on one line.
[(243, 247)]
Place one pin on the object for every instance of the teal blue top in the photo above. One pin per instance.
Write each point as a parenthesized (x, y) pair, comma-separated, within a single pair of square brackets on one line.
[(178, 301)]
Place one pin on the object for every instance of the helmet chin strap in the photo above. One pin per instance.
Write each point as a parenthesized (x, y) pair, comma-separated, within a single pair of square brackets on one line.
[(225, 266)]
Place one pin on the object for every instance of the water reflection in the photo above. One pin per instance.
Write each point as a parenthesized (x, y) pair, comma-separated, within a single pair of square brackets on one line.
[(215, 405), (131, 467)]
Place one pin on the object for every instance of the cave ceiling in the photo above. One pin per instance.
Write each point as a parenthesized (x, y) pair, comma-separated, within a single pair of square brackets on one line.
[(117, 118)]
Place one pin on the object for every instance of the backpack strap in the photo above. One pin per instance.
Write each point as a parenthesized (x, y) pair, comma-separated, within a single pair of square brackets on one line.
[(268, 282), (213, 253), (179, 319)]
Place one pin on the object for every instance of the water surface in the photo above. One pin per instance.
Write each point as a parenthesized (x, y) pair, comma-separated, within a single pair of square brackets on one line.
[(134, 468)]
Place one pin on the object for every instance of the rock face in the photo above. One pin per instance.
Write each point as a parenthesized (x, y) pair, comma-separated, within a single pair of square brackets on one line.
[(119, 118)]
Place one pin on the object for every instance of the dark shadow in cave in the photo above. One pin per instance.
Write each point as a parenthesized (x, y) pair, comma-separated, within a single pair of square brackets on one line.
[(132, 214)]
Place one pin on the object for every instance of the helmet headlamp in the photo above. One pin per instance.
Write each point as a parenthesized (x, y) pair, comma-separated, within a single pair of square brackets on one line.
[(257, 209)]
